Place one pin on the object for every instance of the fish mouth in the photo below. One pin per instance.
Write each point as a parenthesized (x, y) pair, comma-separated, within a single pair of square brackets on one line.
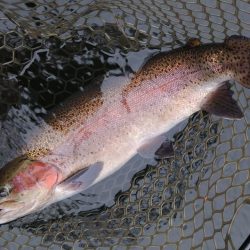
[(10, 213), (4, 218), (10, 205), (3, 212)]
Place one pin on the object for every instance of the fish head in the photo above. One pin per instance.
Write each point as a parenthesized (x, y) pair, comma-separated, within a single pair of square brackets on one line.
[(239, 58), (25, 186)]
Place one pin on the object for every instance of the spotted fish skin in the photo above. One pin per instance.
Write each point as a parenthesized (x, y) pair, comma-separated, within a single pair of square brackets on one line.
[(93, 135)]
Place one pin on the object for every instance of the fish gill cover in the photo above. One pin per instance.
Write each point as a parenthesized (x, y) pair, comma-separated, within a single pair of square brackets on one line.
[(198, 198)]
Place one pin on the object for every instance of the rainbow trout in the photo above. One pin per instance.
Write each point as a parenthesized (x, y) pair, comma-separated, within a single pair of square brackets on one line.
[(96, 133)]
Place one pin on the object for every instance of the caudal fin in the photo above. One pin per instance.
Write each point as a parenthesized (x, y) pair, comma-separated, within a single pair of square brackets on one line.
[(239, 47)]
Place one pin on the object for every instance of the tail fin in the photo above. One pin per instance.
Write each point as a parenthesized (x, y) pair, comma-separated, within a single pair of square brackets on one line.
[(239, 47)]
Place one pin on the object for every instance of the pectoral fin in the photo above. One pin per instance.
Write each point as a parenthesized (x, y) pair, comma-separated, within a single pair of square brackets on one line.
[(82, 179), (221, 103)]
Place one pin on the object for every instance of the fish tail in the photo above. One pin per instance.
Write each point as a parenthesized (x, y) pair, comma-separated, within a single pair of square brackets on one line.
[(239, 47)]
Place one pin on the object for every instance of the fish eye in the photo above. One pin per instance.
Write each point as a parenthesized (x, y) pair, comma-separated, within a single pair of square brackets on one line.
[(4, 191)]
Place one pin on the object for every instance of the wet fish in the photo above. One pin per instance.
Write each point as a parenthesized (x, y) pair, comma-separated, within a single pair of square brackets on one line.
[(96, 133)]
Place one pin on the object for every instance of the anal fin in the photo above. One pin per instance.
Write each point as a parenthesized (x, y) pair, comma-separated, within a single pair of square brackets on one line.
[(221, 103)]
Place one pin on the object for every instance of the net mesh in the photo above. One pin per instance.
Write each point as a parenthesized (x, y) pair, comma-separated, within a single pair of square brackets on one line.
[(197, 199)]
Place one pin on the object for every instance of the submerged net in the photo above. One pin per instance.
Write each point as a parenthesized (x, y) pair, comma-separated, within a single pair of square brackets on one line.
[(197, 199)]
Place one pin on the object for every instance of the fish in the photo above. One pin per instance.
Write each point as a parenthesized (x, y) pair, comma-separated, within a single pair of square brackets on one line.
[(94, 133)]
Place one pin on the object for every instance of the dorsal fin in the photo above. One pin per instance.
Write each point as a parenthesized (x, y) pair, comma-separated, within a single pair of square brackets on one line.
[(221, 103), (193, 42)]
